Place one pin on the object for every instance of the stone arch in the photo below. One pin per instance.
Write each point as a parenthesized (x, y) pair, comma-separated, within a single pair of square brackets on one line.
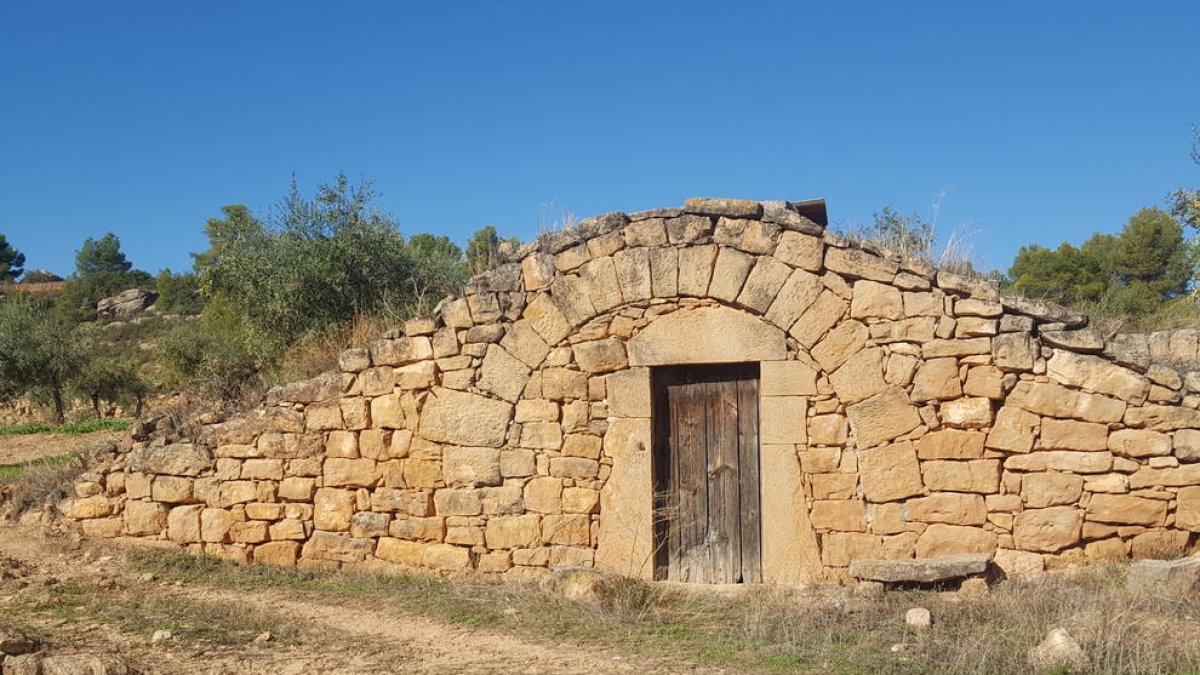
[(501, 433)]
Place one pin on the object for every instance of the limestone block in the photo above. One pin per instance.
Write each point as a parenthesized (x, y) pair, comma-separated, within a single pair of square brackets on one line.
[(900, 369), (956, 347), (215, 524), (579, 468), (378, 380), (544, 495), (816, 321), (818, 460), (387, 412), (695, 269), (688, 229), (860, 377), (1018, 564), (342, 444), (664, 272), (1163, 417), (508, 532), (1160, 544), (839, 515), (1062, 460), (801, 250), (1186, 445), (985, 381), (628, 391), (546, 319), (1014, 352), (581, 445), (277, 553), (633, 274), (840, 344), (537, 271), (939, 539), (798, 293), (459, 502), (1072, 435), (1127, 510), (882, 417), (876, 301), (706, 335), (923, 304), (735, 208), (889, 473), (337, 547), (783, 419), (401, 351), (625, 541), (1187, 509), (418, 529), (237, 492), (471, 466), (173, 489), (1053, 400), (420, 375), (340, 472), (466, 419), (827, 430), (354, 360), (729, 274), (601, 356), (833, 485), (1096, 374), (920, 571), (1014, 430), (503, 374), (785, 378), (1040, 490), (752, 236), (567, 529), (332, 509), (859, 264), (979, 475), (561, 384), (178, 459), (356, 411), (183, 524), (839, 549), (541, 435), (601, 278), (296, 489), (1047, 530), (763, 284), (1137, 443), (953, 508), (951, 444), (937, 380)]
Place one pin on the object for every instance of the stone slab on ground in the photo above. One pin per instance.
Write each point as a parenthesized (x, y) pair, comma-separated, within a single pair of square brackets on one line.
[(1164, 576), (924, 571)]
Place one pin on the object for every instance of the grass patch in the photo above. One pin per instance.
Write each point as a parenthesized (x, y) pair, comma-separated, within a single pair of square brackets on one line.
[(768, 629), (11, 473), (141, 613), (25, 429), (95, 424), (72, 428)]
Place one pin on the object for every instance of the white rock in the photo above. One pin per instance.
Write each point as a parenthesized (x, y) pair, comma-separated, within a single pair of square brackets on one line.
[(918, 617), (1059, 649)]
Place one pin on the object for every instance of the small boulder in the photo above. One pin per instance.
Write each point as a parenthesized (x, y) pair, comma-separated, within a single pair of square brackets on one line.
[(14, 643), (590, 585), (1058, 651), (921, 570), (160, 636), (919, 618), (1169, 577)]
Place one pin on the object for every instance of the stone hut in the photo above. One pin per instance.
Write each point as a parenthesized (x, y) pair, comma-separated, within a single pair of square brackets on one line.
[(724, 392)]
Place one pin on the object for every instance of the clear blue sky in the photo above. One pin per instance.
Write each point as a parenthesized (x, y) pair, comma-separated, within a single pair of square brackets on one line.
[(1040, 121)]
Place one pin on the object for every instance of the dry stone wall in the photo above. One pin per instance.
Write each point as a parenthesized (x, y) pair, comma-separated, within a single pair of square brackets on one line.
[(904, 413)]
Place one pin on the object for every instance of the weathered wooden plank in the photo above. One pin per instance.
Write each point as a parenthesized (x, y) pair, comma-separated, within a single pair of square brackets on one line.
[(750, 480), (664, 500), (724, 519), (691, 435)]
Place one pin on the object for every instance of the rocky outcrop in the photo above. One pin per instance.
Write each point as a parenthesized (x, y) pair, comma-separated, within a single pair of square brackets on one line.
[(905, 414), (126, 304)]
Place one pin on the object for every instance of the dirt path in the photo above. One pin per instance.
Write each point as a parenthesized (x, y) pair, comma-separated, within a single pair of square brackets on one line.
[(26, 447), (330, 634)]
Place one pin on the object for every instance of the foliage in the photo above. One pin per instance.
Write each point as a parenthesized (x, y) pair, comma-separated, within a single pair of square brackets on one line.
[(317, 263), (104, 378), (482, 249), (40, 277), (211, 353), (1132, 274), (909, 236), (12, 262), (25, 429), (38, 352), (178, 293), (1185, 203), (101, 270), (94, 424)]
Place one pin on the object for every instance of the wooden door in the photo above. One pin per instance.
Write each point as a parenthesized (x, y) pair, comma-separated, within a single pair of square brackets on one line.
[(706, 468)]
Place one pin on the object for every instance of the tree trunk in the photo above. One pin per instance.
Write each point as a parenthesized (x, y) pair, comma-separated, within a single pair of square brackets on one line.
[(96, 405), (59, 413), (137, 411)]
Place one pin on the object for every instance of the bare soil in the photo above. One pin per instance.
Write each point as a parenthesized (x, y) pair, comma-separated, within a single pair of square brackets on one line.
[(27, 447), (311, 633)]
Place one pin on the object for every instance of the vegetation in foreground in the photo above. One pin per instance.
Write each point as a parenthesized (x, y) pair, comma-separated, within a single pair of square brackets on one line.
[(773, 629), (87, 426)]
